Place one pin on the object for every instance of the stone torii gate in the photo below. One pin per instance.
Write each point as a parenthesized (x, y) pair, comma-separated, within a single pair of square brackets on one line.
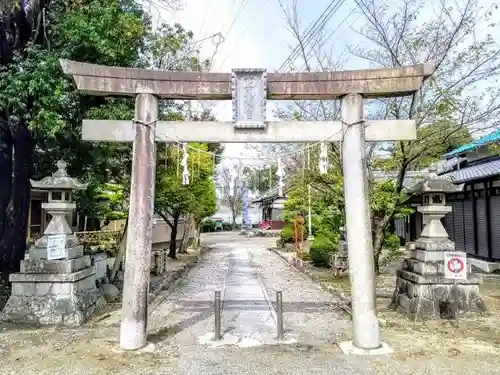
[(248, 89)]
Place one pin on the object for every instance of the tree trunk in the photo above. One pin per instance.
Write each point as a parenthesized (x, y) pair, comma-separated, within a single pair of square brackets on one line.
[(185, 234), (121, 252), (378, 239), (5, 192), (196, 239), (13, 245), (173, 237), (234, 221)]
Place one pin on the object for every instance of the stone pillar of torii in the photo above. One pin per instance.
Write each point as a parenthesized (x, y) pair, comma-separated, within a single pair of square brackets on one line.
[(249, 89)]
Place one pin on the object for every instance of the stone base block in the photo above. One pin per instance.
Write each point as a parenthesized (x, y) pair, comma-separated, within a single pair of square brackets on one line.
[(484, 265), (427, 268), (422, 297), (36, 253), (55, 266), (99, 261), (348, 347), (434, 244), (69, 299)]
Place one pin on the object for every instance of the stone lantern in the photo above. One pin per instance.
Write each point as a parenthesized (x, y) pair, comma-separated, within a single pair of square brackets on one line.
[(60, 206), (56, 284), (422, 291)]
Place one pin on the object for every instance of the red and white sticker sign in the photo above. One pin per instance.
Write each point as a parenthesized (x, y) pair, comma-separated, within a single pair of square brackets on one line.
[(455, 265)]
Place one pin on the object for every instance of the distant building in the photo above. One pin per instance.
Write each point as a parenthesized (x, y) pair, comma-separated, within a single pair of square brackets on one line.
[(271, 206)]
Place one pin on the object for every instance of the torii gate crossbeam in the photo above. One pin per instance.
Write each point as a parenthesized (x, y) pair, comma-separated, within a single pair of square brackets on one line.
[(249, 89)]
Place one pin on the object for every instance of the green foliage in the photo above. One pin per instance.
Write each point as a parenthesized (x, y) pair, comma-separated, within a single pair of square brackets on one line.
[(259, 180), (226, 227), (286, 234), (103, 202), (391, 242), (208, 225), (296, 203), (384, 198), (321, 250), (198, 197), (34, 90)]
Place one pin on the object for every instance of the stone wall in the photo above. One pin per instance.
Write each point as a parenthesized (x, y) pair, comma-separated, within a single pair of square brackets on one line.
[(162, 233)]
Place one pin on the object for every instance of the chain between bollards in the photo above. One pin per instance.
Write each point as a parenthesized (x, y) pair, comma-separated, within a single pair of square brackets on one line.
[(279, 314), (217, 325)]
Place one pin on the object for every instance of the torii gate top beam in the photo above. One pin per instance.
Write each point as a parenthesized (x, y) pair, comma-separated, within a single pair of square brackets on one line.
[(371, 83)]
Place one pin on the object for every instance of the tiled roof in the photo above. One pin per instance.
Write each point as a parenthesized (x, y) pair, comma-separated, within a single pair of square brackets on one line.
[(411, 177), (490, 138), (271, 193), (476, 172), (448, 165)]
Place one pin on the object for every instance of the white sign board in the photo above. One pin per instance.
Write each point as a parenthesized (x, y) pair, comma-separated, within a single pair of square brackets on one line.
[(56, 246), (455, 265)]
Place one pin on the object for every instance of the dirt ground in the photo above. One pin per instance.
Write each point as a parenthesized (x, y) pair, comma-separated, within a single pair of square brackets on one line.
[(474, 334), (92, 349), (31, 349)]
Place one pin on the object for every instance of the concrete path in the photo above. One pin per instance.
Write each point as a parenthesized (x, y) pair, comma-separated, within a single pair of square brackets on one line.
[(248, 277)]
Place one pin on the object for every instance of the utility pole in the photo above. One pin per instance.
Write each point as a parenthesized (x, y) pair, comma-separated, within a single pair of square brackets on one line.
[(309, 211)]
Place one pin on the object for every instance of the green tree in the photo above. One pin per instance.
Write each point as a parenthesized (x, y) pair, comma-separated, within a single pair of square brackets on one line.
[(40, 110), (460, 97), (449, 107), (233, 181), (261, 179), (173, 199)]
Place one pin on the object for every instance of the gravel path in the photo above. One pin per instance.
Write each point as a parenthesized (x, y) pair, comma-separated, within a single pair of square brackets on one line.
[(180, 319)]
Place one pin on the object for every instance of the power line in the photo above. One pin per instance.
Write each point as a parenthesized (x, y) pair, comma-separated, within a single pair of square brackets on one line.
[(307, 32), (318, 30), (242, 7), (311, 31), (332, 33)]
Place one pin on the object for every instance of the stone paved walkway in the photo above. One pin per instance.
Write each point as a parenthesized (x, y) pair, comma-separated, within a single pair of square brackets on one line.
[(249, 275)]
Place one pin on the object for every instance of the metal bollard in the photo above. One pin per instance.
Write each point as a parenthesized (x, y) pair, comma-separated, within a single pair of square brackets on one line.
[(217, 334), (279, 314)]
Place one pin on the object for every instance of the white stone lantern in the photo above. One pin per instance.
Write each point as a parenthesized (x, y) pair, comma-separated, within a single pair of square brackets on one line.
[(422, 290), (60, 188), (57, 284), (433, 192)]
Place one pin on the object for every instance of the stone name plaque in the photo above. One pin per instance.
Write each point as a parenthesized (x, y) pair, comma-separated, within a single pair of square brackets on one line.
[(249, 88), (56, 246)]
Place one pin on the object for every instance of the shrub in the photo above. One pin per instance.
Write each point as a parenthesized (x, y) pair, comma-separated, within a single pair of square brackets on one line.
[(321, 250), (226, 227), (391, 242), (286, 234), (208, 225)]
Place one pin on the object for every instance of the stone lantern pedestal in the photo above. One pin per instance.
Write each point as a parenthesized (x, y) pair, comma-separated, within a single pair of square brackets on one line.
[(57, 284), (422, 291)]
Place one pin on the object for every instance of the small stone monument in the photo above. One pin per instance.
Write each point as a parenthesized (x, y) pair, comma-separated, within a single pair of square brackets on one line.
[(57, 284), (340, 259), (422, 291)]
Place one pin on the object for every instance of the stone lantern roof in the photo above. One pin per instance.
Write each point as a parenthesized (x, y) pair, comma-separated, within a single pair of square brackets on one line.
[(59, 180), (434, 184)]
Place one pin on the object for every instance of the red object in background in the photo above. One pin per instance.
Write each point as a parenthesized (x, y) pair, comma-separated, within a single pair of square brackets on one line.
[(272, 224)]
